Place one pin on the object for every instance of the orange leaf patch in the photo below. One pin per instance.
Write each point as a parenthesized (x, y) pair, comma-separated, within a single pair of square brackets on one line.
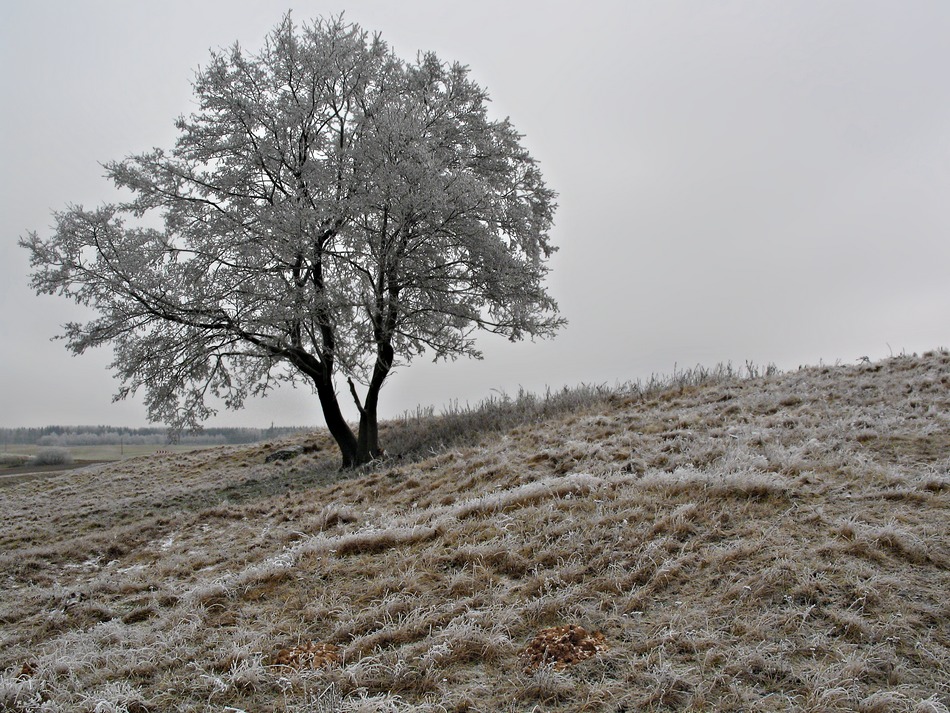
[(562, 646), (310, 655)]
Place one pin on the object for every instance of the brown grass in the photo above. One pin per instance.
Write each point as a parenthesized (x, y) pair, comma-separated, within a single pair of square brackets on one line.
[(769, 543)]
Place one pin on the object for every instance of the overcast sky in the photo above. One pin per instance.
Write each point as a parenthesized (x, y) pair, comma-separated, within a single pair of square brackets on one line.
[(762, 181)]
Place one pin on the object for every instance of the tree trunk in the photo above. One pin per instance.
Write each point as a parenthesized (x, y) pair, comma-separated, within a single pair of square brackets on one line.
[(338, 427), (367, 445), (367, 448)]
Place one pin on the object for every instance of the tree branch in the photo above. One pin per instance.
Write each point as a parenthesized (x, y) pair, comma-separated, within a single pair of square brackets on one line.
[(356, 398)]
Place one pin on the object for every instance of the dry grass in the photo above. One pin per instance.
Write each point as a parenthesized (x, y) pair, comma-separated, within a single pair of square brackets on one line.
[(769, 543)]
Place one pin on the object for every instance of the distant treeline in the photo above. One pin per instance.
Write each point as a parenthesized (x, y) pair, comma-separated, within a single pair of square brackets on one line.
[(110, 435)]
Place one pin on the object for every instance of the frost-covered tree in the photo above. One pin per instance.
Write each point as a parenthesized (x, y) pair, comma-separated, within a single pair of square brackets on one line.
[(328, 212)]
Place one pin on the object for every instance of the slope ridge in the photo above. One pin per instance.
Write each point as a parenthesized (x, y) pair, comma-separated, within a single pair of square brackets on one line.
[(766, 543)]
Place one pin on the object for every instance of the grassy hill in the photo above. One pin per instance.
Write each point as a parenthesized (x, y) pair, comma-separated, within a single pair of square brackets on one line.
[(724, 543)]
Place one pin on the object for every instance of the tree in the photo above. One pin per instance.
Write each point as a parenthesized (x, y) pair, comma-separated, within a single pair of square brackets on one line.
[(327, 212)]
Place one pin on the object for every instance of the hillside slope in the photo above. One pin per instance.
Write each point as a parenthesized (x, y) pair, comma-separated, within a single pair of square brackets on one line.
[(771, 543)]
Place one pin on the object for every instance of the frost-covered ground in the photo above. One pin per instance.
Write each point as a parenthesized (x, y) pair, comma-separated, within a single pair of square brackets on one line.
[(771, 543)]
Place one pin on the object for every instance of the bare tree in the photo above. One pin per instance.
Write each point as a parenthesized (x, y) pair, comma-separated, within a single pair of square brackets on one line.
[(328, 211)]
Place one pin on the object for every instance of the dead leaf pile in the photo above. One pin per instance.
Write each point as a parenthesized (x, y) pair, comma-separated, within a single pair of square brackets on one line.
[(562, 646), (310, 655)]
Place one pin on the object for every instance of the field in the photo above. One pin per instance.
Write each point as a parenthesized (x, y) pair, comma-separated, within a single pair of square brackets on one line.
[(115, 451), (724, 542), (17, 462)]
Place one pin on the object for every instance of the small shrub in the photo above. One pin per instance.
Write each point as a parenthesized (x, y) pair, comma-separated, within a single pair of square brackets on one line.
[(52, 456)]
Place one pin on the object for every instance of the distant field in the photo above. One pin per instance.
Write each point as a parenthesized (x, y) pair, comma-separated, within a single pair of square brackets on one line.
[(102, 453)]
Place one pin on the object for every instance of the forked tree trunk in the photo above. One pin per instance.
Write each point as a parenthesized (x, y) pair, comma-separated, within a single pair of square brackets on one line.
[(355, 451), (367, 444)]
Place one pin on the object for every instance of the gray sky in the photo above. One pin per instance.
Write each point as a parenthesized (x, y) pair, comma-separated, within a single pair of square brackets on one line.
[(763, 181)]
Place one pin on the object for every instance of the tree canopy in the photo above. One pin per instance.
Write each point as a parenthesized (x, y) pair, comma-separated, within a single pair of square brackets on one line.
[(328, 211)]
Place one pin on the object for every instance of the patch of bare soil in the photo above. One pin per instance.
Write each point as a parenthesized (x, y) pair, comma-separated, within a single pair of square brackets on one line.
[(912, 448)]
